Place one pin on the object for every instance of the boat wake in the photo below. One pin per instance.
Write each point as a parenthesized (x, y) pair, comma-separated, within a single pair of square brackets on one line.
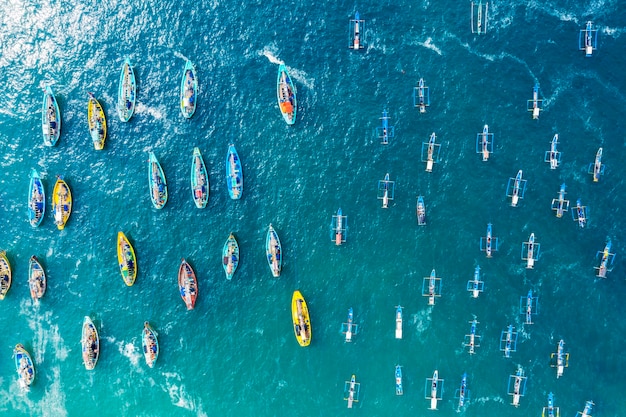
[(271, 57), (129, 350), (422, 320), (178, 394), (151, 111), (428, 43)]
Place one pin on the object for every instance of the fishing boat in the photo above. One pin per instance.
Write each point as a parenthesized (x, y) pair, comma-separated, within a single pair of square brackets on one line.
[(529, 306), (199, 179), (187, 284), (36, 279), (36, 199), (488, 243), (398, 322), (234, 173), (472, 340), (126, 259), (530, 251), (421, 211), (606, 260), (431, 287), (61, 203), (230, 256), (399, 389), (462, 394), (508, 341), (301, 319), (338, 228), (90, 342), (385, 131), (476, 286), (596, 168), (587, 410), (24, 366), (430, 152), (157, 182), (149, 344), (286, 95), (588, 39), (550, 410), (50, 118), (421, 96), (553, 156), (5, 275), (478, 17), (560, 204), (559, 359), (535, 105), (357, 25), (97, 122), (517, 386), (580, 214), (434, 390), (188, 90), (273, 251), (126, 91), (350, 328), (386, 190), (351, 390), (484, 143), (516, 188)]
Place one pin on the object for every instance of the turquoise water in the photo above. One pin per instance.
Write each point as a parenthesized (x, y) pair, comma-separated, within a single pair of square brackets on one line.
[(235, 354)]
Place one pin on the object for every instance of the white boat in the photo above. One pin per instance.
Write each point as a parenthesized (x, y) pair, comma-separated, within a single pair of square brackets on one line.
[(606, 260), (560, 359), (553, 156), (516, 188), (472, 340), (484, 143), (587, 410), (338, 228), (596, 168), (434, 390), (386, 190), (351, 391), (349, 328), (421, 96), (431, 287), (478, 17), (588, 39), (357, 26), (560, 204), (476, 286), (462, 394), (488, 243), (508, 341), (421, 211), (580, 214), (398, 322), (517, 386), (430, 152), (535, 105), (529, 306), (530, 251)]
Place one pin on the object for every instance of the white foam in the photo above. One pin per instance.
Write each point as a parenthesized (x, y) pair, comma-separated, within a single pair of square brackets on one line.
[(270, 55), (428, 43), (156, 113), (53, 401), (129, 350), (422, 320)]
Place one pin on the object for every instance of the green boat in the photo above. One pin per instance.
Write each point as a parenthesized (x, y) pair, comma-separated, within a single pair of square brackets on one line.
[(230, 256), (286, 94)]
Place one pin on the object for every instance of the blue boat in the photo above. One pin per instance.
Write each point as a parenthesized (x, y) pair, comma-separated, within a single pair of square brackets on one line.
[(580, 214), (462, 394), (24, 366), (421, 96), (234, 173), (188, 90), (126, 92), (550, 410), (50, 118), (399, 389), (489, 244), (587, 411), (36, 199), (338, 228), (199, 179), (156, 180), (384, 131), (36, 279), (588, 39), (535, 105), (421, 211), (273, 251), (286, 95), (357, 25)]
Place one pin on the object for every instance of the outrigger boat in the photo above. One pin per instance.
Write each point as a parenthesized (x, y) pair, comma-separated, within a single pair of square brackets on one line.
[(559, 359), (517, 386), (489, 244), (36, 279), (5, 275), (606, 260), (234, 173), (150, 344), (421, 96), (301, 319), (349, 328), (338, 228), (36, 199), (530, 251), (588, 39), (580, 214), (199, 179), (478, 17), (431, 287), (384, 131), (430, 152), (97, 122), (560, 204), (472, 340), (24, 366), (188, 90), (551, 410), (157, 182), (230, 256), (421, 211), (462, 394), (90, 343), (126, 91), (286, 95), (516, 188), (508, 341), (596, 168), (50, 118), (386, 190), (553, 156), (433, 390), (126, 259), (273, 251), (535, 105), (529, 306), (476, 286), (61, 203), (587, 411), (351, 390), (187, 284), (356, 26), (399, 389), (484, 143), (398, 322)]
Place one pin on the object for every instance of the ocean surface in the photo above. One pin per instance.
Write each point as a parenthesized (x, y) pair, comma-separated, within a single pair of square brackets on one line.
[(235, 354)]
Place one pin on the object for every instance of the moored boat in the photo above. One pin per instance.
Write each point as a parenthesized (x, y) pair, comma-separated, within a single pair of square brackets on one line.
[(398, 322), (399, 389), (90, 342), (36, 278), (5, 275), (188, 90), (36, 199), (273, 251), (97, 122), (24, 366), (230, 256), (126, 92), (199, 179), (126, 259), (187, 284), (301, 319), (157, 182), (50, 118), (421, 211), (286, 94), (61, 203), (149, 344), (234, 173), (357, 26)]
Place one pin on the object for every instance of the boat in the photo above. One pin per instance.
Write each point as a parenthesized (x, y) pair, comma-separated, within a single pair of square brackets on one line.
[(517, 386), (587, 410), (508, 341), (398, 322), (61, 203), (484, 143), (489, 244), (478, 17), (36, 199), (157, 182), (5, 275), (90, 342), (97, 122), (529, 306), (126, 92), (234, 173), (357, 25), (421, 96), (199, 180), (551, 410), (286, 95), (349, 328), (606, 260), (188, 90), (351, 391), (187, 284), (472, 340), (516, 188), (301, 319), (431, 287), (338, 228), (553, 156), (149, 344), (434, 390), (560, 204), (580, 214), (50, 118), (530, 251), (126, 259), (535, 105), (588, 39), (386, 190), (462, 394), (559, 359), (230, 256), (24, 366), (399, 389), (430, 152), (36, 279), (421, 211), (596, 168), (384, 131), (476, 286), (273, 251)]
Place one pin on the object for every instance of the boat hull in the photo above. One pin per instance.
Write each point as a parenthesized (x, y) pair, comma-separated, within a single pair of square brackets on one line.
[(187, 284), (36, 279), (36, 199), (286, 95), (61, 203), (230, 256), (97, 123), (149, 344), (126, 259), (50, 118), (90, 342), (157, 182), (234, 174), (126, 92), (5, 275), (24, 366), (199, 180), (188, 90), (301, 319), (273, 250)]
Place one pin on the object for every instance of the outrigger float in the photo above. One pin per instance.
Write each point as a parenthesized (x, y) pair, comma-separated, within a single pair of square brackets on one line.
[(398, 322), (588, 39), (462, 393), (560, 204), (596, 168), (338, 228), (384, 131), (517, 386), (430, 152), (476, 286), (530, 251), (351, 390), (386, 190), (484, 143), (529, 306), (421, 96), (472, 340), (488, 244), (431, 287), (551, 410), (535, 105), (553, 156), (421, 211), (478, 17), (433, 390), (559, 359), (356, 26), (606, 260), (349, 328), (587, 411), (399, 389), (516, 188), (508, 341)]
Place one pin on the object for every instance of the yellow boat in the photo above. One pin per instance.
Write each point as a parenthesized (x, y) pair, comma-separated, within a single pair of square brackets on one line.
[(126, 259), (61, 203), (5, 275), (301, 319), (97, 122)]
